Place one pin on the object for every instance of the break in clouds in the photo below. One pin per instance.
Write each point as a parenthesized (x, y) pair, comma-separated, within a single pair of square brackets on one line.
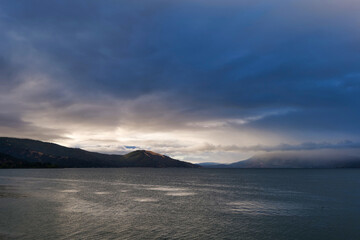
[(197, 80)]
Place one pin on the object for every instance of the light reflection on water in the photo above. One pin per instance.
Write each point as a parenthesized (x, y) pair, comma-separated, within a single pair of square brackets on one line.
[(267, 208), (179, 204)]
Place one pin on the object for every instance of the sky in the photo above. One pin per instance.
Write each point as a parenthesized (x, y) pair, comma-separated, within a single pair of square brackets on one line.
[(201, 81)]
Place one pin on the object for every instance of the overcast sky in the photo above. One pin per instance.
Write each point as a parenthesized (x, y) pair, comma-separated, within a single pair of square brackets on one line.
[(198, 80)]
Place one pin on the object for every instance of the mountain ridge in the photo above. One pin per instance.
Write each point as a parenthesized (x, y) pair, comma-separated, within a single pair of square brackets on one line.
[(33, 152), (294, 160)]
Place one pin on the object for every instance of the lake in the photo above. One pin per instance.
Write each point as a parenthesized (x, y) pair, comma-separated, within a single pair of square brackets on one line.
[(139, 203)]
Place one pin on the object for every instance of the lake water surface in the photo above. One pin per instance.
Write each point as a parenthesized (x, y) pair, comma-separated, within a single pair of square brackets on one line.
[(179, 204)]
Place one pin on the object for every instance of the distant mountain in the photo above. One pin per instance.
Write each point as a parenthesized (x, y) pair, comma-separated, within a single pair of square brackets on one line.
[(31, 153), (296, 160), (152, 159)]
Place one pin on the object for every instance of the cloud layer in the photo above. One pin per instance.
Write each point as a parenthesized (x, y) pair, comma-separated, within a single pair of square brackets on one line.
[(180, 76)]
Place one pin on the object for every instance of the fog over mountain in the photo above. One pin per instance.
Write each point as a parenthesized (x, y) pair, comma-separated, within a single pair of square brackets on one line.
[(200, 81), (296, 159)]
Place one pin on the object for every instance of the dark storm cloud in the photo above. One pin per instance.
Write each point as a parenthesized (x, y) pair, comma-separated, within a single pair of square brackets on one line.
[(202, 60)]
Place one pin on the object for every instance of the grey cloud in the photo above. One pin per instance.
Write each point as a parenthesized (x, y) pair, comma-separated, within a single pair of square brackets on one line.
[(172, 65)]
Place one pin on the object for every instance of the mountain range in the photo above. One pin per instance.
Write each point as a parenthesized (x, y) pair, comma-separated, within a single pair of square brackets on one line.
[(27, 153), (309, 159)]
